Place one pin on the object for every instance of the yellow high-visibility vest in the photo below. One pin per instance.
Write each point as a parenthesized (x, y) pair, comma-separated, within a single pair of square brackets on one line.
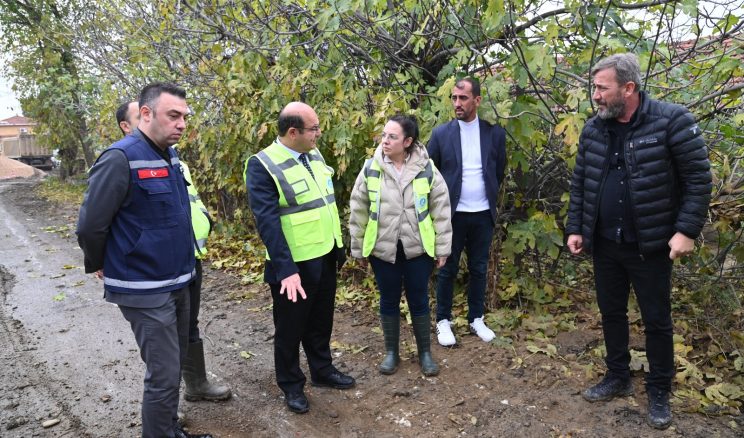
[(421, 187), (199, 215), (307, 204)]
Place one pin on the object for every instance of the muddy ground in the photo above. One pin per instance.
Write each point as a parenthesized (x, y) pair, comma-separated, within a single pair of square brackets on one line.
[(69, 356)]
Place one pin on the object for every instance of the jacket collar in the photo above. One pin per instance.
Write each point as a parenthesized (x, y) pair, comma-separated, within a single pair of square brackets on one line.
[(416, 162), (641, 112)]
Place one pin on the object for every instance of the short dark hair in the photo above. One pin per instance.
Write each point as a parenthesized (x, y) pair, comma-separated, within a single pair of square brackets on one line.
[(121, 114), (474, 85), (409, 126), (287, 121), (150, 94)]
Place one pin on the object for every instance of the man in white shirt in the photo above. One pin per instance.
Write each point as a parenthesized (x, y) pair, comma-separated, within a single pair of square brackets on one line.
[(471, 155)]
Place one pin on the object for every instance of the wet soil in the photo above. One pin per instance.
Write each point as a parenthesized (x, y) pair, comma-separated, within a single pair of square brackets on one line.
[(68, 355)]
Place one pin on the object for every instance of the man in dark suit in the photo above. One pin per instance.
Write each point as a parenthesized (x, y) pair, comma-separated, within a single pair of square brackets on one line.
[(292, 197), (471, 155)]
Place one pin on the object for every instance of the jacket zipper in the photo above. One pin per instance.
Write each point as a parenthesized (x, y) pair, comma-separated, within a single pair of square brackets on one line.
[(633, 211), (602, 181)]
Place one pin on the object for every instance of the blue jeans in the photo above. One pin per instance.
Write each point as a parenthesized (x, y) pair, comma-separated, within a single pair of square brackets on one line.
[(472, 232), (414, 273), (616, 267)]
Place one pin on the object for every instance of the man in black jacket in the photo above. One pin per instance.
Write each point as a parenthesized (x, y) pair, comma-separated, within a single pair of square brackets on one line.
[(639, 198)]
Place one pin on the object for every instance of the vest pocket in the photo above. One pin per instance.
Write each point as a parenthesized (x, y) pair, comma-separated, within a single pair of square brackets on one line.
[(156, 190), (300, 187), (158, 253), (306, 227)]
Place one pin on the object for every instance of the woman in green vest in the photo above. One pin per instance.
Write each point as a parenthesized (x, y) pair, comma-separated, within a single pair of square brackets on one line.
[(400, 221)]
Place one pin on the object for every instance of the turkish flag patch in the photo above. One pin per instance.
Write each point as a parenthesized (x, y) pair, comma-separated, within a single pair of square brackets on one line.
[(152, 173)]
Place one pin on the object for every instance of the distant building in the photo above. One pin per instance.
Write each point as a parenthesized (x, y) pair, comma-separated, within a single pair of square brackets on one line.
[(16, 126)]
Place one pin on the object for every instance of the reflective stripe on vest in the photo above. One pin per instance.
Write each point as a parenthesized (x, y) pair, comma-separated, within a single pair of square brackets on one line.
[(307, 205), (144, 164), (421, 187), (144, 285), (199, 215), (289, 193)]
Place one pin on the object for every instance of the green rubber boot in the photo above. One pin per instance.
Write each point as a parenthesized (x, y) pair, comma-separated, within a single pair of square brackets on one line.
[(391, 331), (422, 332), (195, 377)]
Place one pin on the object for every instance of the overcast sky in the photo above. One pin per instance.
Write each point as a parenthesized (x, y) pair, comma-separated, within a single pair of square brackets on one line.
[(9, 105)]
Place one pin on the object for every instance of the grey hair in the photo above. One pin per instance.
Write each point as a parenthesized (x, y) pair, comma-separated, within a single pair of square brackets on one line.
[(626, 68)]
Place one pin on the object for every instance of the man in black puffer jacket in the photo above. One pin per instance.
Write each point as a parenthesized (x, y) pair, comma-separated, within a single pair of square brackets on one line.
[(639, 198)]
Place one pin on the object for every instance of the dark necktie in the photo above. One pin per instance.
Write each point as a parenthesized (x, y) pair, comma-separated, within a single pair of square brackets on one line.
[(303, 160)]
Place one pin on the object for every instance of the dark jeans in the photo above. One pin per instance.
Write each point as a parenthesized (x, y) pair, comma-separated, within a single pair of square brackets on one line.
[(616, 267), (472, 232), (308, 322), (414, 273), (162, 337), (195, 302)]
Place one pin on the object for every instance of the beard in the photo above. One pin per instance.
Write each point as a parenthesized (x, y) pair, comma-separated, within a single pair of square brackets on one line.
[(612, 110)]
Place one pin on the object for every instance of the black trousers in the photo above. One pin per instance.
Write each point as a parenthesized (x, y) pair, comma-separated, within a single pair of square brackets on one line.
[(616, 267), (195, 303), (308, 322)]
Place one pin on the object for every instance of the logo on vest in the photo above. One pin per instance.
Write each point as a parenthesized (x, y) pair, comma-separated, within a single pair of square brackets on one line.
[(422, 202), (152, 173)]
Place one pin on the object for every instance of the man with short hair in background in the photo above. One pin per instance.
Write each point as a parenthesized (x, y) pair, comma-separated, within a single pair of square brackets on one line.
[(639, 198), (127, 117)]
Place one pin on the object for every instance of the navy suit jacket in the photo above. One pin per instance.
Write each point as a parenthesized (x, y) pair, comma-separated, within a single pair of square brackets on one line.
[(445, 150)]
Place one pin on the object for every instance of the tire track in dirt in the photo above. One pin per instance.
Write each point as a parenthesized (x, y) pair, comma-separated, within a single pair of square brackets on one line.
[(29, 394)]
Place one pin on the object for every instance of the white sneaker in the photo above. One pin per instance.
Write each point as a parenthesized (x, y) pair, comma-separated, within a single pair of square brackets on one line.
[(479, 328), (444, 333)]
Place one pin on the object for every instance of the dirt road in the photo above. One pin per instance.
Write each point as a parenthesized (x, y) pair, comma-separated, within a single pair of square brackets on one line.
[(69, 356)]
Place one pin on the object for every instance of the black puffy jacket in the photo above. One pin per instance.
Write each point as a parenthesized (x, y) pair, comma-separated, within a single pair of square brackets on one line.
[(669, 175)]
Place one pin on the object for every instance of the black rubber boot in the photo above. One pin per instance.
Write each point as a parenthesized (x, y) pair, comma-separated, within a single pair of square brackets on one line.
[(391, 332), (195, 377), (422, 332)]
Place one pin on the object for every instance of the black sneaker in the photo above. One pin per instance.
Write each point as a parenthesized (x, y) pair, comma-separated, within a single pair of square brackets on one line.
[(659, 412), (608, 388)]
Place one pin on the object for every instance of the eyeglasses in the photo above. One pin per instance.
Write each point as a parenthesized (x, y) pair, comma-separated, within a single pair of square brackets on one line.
[(315, 128), (391, 137)]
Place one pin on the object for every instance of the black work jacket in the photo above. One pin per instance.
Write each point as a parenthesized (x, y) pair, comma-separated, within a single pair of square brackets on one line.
[(669, 175)]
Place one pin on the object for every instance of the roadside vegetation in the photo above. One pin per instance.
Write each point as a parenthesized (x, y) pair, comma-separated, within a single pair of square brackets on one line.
[(357, 62)]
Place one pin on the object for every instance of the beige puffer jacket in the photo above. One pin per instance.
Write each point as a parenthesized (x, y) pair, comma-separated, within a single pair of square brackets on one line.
[(397, 216)]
